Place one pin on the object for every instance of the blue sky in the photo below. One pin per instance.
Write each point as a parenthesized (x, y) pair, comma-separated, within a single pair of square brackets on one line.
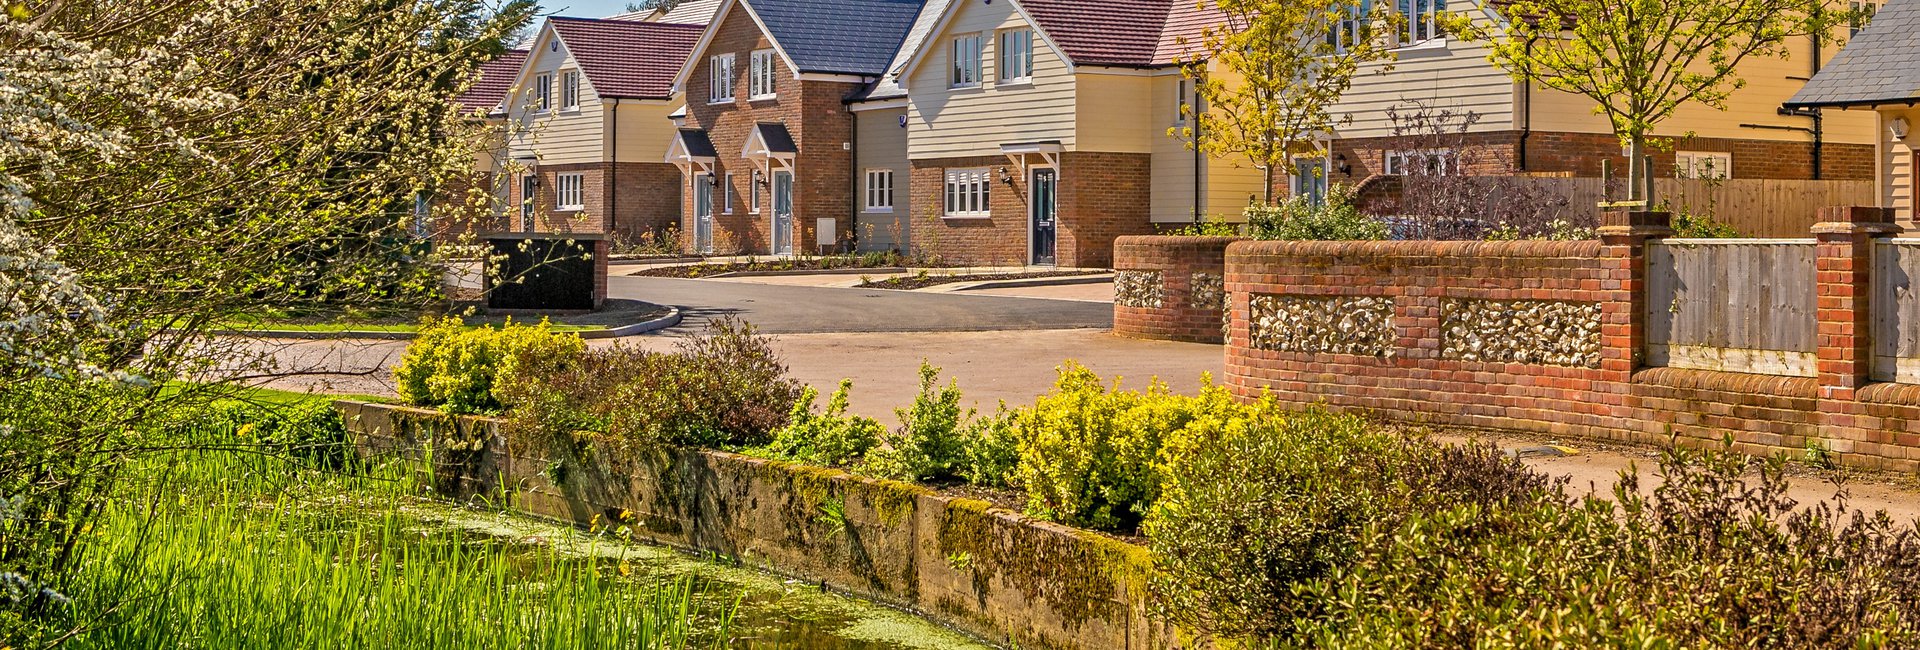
[(583, 8)]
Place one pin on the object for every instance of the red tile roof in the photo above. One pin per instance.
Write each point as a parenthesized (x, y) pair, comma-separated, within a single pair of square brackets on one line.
[(495, 79), (1186, 22), (1126, 33), (623, 58)]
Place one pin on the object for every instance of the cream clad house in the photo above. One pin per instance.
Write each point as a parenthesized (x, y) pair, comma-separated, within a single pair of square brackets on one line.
[(588, 128), (1879, 72)]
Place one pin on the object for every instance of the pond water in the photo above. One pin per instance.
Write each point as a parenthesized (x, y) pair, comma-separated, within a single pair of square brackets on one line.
[(772, 613)]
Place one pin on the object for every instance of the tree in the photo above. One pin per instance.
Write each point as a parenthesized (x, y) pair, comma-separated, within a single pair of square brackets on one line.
[(1641, 60), (653, 5), (1266, 75), (168, 166)]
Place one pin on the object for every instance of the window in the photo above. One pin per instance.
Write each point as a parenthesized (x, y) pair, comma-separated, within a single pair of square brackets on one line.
[(726, 195), (1351, 30), (1180, 102), (879, 190), (1863, 11), (967, 192), (1016, 56), (568, 190), (529, 188), (570, 89), (966, 61), (1695, 164), (760, 75), (753, 192), (1422, 20), (1432, 162), (543, 92), (720, 78)]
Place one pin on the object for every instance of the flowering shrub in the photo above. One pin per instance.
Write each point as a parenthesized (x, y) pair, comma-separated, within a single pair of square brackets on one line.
[(1334, 219), (455, 368)]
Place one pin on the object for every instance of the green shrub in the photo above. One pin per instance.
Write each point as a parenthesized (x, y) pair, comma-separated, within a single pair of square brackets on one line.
[(829, 438), (931, 443), (992, 450), (1701, 226), (723, 387), (455, 368), (1336, 218), (310, 431), (1208, 227)]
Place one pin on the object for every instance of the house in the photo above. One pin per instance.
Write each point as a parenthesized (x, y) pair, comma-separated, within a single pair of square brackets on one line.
[(483, 100), (766, 145), (1879, 72), (588, 127)]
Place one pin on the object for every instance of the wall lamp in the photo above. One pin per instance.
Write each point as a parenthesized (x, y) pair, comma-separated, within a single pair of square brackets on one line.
[(1006, 177), (1340, 165), (1899, 127)]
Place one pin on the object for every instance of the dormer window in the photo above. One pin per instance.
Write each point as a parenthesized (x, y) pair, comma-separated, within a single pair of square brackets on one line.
[(966, 61), (720, 77)]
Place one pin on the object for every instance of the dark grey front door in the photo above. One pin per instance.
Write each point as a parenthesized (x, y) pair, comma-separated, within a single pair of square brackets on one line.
[(783, 213), (703, 213), (1043, 190)]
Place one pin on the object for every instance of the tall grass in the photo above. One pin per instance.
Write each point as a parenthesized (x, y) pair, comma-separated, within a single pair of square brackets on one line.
[(230, 552)]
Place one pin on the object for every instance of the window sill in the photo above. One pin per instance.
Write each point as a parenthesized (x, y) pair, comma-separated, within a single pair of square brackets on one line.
[(763, 98), (570, 111), (1025, 82), (720, 102), (1431, 45), (966, 87), (570, 208), (967, 216), (877, 211)]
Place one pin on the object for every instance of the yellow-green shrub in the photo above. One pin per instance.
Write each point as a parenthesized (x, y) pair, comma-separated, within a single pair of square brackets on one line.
[(456, 368)]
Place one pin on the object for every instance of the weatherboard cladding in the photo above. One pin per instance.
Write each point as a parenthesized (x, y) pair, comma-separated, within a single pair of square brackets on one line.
[(851, 37), (1880, 65), (623, 58), (495, 79)]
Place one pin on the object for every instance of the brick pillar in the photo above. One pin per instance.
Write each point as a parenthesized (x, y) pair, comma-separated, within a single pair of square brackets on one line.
[(1844, 265), (1623, 317), (602, 254)]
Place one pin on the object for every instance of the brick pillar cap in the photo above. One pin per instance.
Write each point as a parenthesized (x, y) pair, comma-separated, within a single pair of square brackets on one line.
[(1855, 219), (1644, 223)]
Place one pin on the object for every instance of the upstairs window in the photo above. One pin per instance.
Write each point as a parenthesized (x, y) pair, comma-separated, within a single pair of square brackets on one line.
[(967, 192), (760, 75), (1422, 20), (1181, 102), (543, 92), (966, 61), (1016, 56), (570, 89), (720, 79), (1863, 11), (1351, 30)]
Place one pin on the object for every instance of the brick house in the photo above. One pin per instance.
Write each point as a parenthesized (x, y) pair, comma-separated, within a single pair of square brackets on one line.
[(460, 213), (587, 127), (766, 144), (1879, 71)]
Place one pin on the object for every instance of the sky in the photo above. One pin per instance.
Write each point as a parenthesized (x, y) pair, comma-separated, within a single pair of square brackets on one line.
[(583, 8)]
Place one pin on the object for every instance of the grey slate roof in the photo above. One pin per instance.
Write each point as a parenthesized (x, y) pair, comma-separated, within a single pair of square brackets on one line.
[(1880, 66), (697, 143), (888, 86), (778, 139), (855, 37)]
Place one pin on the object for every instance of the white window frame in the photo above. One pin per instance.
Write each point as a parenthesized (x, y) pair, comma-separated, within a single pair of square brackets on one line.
[(569, 192), (1180, 101), (720, 79), (753, 192), (1396, 161), (879, 189), (1015, 50), (1352, 29), (529, 191), (1703, 164), (968, 193), (543, 92), (1864, 11), (569, 90), (1422, 22), (967, 49), (760, 75), (726, 195)]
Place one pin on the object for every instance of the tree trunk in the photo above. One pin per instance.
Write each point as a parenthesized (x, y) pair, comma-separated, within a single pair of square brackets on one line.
[(1637, 172), (1267, 187)]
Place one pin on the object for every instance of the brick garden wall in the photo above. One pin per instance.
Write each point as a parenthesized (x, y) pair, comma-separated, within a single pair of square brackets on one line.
[(1545, 337), (1170, 287)]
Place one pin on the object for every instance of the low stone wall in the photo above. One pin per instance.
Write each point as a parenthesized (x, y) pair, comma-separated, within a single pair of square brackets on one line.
[(1170, 287), (986, 571), (1547, 338)]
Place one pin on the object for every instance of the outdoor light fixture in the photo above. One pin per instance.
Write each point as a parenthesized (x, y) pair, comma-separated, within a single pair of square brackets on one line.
[(1340, 165), (759, 180), (1899, 128), (1005, 177)]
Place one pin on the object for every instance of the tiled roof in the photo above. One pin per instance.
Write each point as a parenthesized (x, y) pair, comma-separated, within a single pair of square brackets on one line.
[(1881, 65), (496, 78), (691, 12), (624, 58), (697, 143), (1109, 32), (888, 86), (776, 137), (856, 37), (1181, 37)]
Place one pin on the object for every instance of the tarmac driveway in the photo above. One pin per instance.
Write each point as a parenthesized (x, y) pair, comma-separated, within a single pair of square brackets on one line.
[(800, 309)]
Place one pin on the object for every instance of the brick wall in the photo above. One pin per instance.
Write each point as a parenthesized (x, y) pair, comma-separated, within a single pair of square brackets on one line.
[(1101, 196), (1422, 376), (1190, 273), (812, 111), (624, 199)]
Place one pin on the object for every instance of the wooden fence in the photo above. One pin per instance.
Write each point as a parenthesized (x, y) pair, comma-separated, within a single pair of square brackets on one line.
[(1739, 305), (1754, 207), (1896, 310)]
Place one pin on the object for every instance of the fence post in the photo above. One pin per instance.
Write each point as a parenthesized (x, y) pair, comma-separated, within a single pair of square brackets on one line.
[(1623, 326), (1844, 268)]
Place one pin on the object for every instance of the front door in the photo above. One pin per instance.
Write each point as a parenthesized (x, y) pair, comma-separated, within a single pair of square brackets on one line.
[(1043, 187), (1310, 180), (703, 213), (783, 213)]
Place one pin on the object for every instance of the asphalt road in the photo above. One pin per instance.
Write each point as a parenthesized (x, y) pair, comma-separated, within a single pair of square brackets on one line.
[(797, 310)]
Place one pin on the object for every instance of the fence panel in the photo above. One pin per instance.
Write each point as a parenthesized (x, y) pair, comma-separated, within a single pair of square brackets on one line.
[(1739, 305), (1754, 207), (1896, 311)]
